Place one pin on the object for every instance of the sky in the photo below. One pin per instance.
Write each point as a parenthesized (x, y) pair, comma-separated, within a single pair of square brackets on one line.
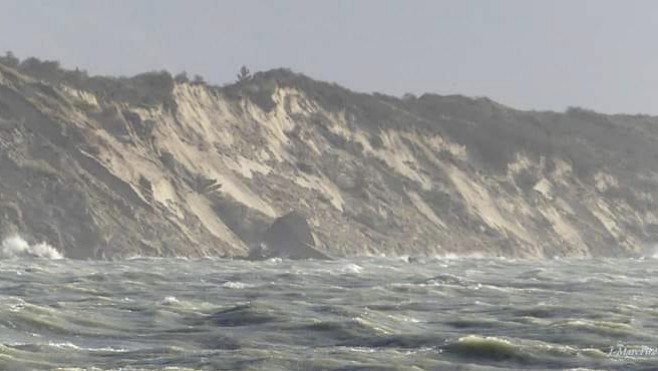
[(528, 54)]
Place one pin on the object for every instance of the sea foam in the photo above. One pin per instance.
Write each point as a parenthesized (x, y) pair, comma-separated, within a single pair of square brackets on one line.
[(17, 247)]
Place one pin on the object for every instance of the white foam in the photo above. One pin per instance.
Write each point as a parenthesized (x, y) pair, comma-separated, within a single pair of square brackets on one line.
[(170, 300), (351, 268), (235, 285), (453, 256), (17, 247), (68, 345)]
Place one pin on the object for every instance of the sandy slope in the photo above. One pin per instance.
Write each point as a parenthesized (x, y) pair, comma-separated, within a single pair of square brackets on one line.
[(204, 171)]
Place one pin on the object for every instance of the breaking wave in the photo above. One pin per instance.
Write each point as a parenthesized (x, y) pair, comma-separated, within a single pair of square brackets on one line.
[(17, 247)]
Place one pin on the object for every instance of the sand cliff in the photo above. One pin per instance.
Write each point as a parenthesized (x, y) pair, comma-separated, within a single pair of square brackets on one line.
[(152, 166)]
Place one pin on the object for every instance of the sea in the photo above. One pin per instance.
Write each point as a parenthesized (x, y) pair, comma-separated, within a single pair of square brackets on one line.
[(370, 313)]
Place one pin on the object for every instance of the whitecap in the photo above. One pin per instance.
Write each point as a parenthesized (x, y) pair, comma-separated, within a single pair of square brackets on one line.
[(361, 350), (235, 285), (351, 268), (69, 345), (64, 345), (170, 300)]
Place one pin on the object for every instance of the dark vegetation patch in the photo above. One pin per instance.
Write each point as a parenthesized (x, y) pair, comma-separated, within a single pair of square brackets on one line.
[(146, 89), (525, 179), (305, 167), (376, 141)]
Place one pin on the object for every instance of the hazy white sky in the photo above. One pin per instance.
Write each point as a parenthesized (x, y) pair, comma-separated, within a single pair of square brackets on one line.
[(547, 54)]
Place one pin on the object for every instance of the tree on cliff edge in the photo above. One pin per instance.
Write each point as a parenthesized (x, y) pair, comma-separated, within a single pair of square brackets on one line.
[(10, 60), (244, 74)]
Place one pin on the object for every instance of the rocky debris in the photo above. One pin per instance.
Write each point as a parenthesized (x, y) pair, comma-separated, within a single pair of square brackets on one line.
[(289, 237)]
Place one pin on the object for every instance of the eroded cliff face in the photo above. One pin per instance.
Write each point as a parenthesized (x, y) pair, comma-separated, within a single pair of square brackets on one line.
[(204, 171)]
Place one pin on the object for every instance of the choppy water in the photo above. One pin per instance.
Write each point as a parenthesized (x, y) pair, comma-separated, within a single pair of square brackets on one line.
[(362, 314)]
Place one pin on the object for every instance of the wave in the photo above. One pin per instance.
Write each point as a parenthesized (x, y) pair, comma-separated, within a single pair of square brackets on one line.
[(243, 315), (16, 247), (236, 285), (351, 268), (170, 300), (528, 352), (599, 327)]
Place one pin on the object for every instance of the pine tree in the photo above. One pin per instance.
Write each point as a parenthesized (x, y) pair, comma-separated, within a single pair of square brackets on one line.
[(10, 60), (244, 74)]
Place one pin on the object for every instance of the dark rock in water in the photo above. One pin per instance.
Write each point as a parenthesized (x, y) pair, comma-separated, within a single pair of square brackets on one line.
[(289, 237)]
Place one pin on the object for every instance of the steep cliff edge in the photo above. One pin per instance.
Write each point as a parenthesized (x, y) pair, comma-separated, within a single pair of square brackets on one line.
[(103, 167)]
